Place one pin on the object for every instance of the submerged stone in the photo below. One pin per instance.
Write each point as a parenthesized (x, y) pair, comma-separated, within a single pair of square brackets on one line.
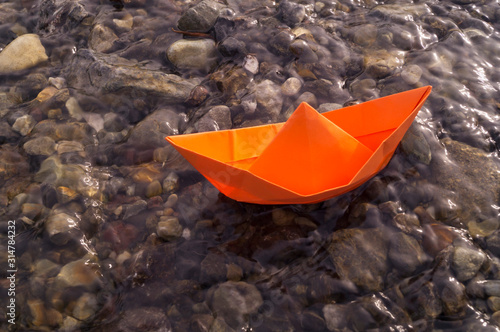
[(23, 52)]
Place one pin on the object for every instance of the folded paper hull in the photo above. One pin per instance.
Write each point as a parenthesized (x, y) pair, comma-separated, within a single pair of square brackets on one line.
[(309, 158)]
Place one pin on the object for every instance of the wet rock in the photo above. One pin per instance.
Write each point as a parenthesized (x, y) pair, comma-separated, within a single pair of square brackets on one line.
[(453, 297), (406, 254), (154, 189), (232, 47), (217, 118), (60, 228), (42, 316), (365, 35), (144, 319), (335, 316), (303, 51), (44, 146), (269, 99), (171, 183), (360, 255), (24, 124), (251, 64), (328, 107), (79, 273), (380, 64), (193, 54), (484, 228), (471, 174), (126, 22), (213, 269), (169, 228), (101, 38), (401, 14), (311, 321), (235, 301), (291, 86), (109, 73), (467, 261), (151, 131), (69, 146), (85, 307), (494, 303), (291, 13), (23, 52), (282, 217), (200, 17), (134, 209), (491, 287), (411, 74), (415, 145), (61, 15)]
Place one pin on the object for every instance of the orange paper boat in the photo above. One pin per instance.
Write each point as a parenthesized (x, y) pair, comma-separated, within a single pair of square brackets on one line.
[(309, 158)]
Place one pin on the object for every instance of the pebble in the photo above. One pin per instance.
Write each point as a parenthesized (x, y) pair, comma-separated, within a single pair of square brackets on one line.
[(335, 316), (235, 301), (406, 254), (467, 261), (79, 273), (291, 86), (153, 129), (411, 74), (24, 124), (217, 118), (123, 75), (171, 183), (251, 64), (102, 38), (126, 23), (85, 307), (269, 99), (291, 13), (415, 145), (60, 228), (24, 52), (283, 217), (494, 303), (328, 107), (169, 228), (484, 228), (365, 35), (200, 17), (193, 54), (154, 189)]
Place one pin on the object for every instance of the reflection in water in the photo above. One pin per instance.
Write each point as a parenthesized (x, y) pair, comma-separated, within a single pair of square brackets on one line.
[(116, 231)]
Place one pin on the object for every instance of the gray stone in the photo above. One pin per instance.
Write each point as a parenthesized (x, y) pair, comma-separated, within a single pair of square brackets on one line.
[(144, 319), (291, 13), (235, 301), (269, 99), (491, 287), (360, 256), (472, 175), (80, 273), (335, 316), (193, 54), (95, 72), (381, 63), (24, 52), (24, 124), (406, 254), (170, 183), (328, 107), (200, 17), (291, 86), (85, 307), (169, 228), (365, 35), (44, 146), (61, 229), (415, 145), (217, 118), (411, 74), (453, 297), (466, 261), (401, 14), (101, 38), (134, 209), (151, 131)]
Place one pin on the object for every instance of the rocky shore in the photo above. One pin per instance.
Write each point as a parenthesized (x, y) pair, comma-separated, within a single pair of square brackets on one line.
[(115, 231)]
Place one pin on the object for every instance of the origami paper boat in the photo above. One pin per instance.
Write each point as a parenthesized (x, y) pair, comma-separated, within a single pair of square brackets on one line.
[(309, 158)]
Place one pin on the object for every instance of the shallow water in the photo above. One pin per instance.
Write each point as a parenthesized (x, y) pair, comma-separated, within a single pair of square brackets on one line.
[(116, 231)]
